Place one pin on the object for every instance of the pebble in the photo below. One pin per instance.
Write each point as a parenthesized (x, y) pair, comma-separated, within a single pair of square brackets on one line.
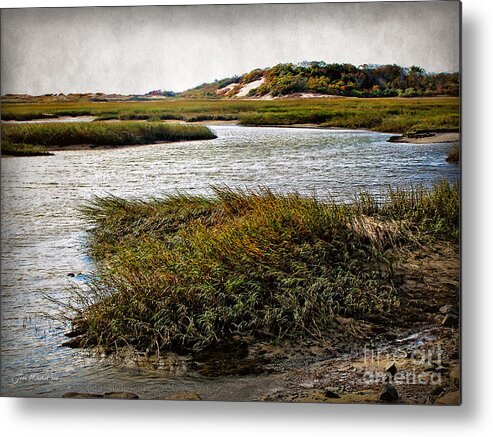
[(450, 309), (330, 394), (389, 393), (450, 321)]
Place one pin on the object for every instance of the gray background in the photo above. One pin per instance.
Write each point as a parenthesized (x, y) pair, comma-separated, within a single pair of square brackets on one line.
[(137, 49)]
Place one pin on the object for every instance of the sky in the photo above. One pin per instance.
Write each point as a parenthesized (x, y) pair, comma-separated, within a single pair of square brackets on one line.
[(132, 50)]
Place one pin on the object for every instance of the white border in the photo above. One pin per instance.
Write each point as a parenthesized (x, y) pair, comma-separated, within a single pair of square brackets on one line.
[(54, 417)]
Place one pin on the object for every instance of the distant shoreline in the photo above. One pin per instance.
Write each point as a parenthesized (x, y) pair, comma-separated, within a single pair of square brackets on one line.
[(424, 138)]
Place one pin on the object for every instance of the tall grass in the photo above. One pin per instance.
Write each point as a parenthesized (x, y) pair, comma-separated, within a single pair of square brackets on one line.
[(112, 134), (187, 272), (383, 114), (10, 149), (386, 115), (427, 213)]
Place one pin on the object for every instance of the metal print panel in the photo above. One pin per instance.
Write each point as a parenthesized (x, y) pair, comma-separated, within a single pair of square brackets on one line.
[(232, 202)]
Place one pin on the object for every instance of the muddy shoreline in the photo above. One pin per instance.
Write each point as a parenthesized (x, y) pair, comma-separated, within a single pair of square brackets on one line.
[(426, 138), (103, 147), (418, 354)]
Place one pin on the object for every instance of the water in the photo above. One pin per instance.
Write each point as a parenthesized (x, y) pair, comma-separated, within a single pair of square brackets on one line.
[(42, 235)]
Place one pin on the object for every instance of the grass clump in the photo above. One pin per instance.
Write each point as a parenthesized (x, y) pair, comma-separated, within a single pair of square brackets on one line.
[(13, 115), (434, 213), (10, 149), (188, 272), (454, 154), (427, 213), (384, 115), (105, 134)]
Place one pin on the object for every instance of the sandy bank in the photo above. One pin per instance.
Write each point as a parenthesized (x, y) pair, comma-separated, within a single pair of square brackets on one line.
[(426, 138), (207, 122), (82, 118), (293, 126)]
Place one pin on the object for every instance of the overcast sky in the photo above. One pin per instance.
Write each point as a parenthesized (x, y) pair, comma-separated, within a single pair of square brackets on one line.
[(137, 49)]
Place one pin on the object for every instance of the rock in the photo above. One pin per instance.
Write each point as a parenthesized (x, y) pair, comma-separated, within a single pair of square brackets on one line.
[(451, 398), (71, 275), (408, 137), (330, 394), (450, 321), (389, 393), (72, 334), (184, 396), (437, 391), (73, 342), (421, 135), (79, 327), (392, 369), (449, 309), (120, 395), (395, 139), (77, 395)]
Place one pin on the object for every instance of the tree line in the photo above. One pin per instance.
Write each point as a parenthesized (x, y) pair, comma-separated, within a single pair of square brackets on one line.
[(337, 79)]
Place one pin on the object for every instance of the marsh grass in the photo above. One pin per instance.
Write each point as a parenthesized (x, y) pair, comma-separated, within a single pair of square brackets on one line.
[(24, 115), (10, 149), (385, 115), (100, 133), (454, 154), (187, 272), (381, 114)]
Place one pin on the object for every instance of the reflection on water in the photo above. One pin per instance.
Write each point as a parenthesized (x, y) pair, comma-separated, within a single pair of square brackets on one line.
[(42, 235)]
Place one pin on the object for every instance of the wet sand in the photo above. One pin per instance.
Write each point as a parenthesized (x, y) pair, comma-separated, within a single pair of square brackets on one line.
[(426, 138)]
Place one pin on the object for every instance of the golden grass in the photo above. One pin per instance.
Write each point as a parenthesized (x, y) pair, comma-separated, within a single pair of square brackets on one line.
[(186, 272)]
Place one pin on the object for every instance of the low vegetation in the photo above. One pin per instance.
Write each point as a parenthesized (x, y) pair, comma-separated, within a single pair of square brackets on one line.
[(385, 114), (10, 149), (454, 154), (188, 272), (103, 134)]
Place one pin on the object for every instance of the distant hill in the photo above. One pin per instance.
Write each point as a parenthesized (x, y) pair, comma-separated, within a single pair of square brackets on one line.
[(304, 80), (318, 79)]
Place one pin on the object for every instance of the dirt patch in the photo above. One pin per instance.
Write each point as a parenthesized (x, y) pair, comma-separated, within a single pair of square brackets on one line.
[(417, 354)]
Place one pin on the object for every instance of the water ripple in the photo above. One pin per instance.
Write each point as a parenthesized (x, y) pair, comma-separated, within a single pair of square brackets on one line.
[(42, 233)]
